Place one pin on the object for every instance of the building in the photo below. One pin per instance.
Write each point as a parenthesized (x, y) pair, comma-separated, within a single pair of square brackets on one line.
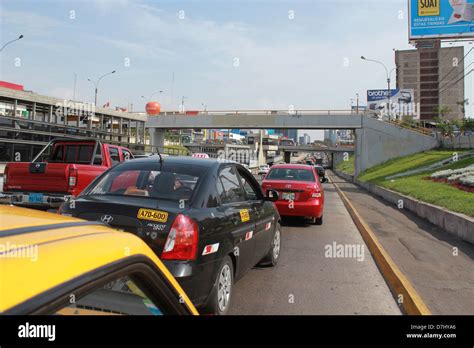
[(436, 75), (330, 136), (28, 121), (305, 139), (288, 133)]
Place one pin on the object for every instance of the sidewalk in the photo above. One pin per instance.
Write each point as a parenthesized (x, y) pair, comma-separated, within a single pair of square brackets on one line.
[(424, 253)]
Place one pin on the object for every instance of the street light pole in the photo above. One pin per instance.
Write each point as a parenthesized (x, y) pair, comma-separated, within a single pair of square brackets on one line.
[(357, 105), (97, 84), (388, 81), (9, 42)]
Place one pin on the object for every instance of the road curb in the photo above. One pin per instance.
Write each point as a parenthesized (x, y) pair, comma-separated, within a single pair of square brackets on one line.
[(399, 285)]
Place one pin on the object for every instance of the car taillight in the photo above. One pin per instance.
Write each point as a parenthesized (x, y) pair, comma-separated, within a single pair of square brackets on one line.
[(182, 241), (72, 177), (316, 191), (5, 178)]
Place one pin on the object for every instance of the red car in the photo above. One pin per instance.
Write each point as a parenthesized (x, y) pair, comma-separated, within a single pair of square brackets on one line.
[(300, 191)]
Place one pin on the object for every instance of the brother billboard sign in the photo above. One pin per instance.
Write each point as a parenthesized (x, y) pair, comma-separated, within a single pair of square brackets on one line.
[(440, 19), (401, 100)]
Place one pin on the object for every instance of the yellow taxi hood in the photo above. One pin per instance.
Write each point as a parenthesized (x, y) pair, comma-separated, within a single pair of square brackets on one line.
[(16, 217), (39, 251)]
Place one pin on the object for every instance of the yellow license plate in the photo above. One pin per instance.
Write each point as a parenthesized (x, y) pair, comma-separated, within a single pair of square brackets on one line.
[(153, 215)]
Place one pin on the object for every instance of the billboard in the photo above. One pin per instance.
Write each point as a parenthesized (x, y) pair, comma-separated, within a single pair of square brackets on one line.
[(402, 102), (440, 19)]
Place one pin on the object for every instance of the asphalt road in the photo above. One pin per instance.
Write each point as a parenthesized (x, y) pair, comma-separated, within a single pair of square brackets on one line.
[(439, 265), (307, 281)]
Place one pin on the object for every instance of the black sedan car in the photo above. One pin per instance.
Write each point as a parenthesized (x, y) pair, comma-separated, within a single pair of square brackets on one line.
[(207, 220)]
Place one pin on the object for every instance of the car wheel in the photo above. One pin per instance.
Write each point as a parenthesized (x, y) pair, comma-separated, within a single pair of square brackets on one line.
[(317, 221), (273, 255), (221, 294)]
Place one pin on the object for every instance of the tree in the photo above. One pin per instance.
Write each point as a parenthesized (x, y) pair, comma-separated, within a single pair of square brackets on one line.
[(447, 128), (462, 105), (442, 111)]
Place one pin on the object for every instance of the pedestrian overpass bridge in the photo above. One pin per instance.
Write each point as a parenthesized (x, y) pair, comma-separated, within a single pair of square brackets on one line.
[(376, 141), (309, 148), (261, 119)]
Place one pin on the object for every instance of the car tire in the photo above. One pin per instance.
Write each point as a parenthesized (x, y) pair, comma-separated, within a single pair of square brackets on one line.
[(271, 259), (221, 295), (317, 220)]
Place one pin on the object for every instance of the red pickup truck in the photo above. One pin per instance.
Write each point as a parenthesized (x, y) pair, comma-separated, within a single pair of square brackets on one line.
[(62, 169)]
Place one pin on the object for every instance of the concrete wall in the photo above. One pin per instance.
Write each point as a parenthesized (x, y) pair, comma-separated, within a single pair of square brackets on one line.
[(378, 141), (460, 142)]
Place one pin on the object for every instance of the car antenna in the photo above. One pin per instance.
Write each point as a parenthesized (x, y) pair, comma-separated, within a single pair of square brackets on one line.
[(159, 154)]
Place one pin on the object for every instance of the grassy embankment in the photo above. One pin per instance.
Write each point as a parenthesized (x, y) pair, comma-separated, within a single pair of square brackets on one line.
[(441, 194)]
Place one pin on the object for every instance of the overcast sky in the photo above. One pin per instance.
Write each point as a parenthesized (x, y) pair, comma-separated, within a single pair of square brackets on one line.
[(225, 54)]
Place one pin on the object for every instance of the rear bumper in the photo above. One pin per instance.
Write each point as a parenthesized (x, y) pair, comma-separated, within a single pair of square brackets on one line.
[(311, 208), (22, 199), (196, 281)]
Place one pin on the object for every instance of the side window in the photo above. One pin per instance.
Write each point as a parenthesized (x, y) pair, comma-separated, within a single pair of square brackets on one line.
[(114, 155), (220, 190), (232, 190), (121, 297), (250, 191), (126, 155)]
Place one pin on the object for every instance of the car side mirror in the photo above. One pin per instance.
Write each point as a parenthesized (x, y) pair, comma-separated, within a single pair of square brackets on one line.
[(97, 160), (271, 195), (323, 179)]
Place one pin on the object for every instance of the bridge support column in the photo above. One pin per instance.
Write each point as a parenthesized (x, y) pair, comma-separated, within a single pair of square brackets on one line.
[(157, 138), (359, 133)]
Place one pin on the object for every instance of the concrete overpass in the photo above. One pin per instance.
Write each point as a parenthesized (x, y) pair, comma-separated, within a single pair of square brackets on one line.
[(376, 141), (309, 148), (253, 119)]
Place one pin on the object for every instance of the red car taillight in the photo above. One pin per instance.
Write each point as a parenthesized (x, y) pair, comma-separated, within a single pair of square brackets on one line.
[(5, 178), (315, 191), (72, 177), (182, 241)]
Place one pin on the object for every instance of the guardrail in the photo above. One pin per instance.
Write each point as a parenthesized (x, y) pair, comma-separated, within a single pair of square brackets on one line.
[(413, 127), (260, 112)]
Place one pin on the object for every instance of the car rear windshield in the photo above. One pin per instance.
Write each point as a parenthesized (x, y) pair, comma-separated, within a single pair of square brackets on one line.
[(72, 153), (292, 174), (170, 182)]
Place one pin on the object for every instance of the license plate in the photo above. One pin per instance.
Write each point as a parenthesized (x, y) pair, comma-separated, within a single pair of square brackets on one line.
[(288, 196), (153, 215), (35, 198)]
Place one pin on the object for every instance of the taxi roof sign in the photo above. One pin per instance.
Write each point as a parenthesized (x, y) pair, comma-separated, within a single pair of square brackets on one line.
[(200, 155)]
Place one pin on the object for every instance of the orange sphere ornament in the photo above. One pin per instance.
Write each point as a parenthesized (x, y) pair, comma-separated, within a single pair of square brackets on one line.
[(153, 108)]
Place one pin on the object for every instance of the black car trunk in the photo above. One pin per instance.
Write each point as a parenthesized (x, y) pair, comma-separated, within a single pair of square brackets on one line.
[(150, 219)]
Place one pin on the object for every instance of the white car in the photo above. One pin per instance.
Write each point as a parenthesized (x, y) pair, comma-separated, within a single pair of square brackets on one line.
[(263, 169)]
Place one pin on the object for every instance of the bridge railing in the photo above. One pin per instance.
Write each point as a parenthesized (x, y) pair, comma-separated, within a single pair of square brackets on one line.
[(259, 112), (413, 127)]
